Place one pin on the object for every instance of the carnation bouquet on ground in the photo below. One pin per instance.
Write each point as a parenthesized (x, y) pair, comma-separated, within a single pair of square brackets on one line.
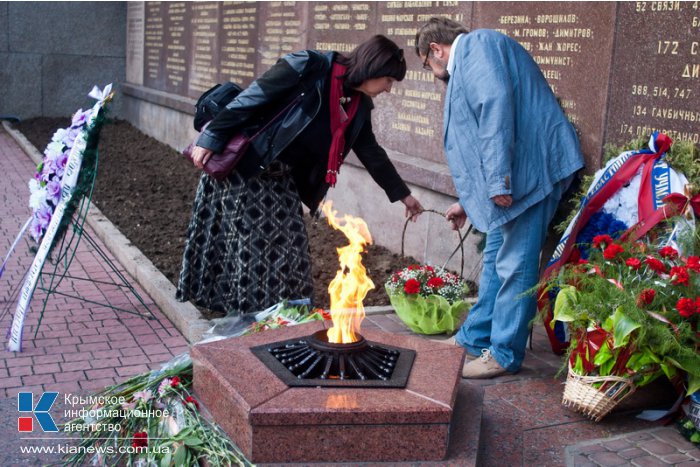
[(428, 300), (152, 420), (632, 312)]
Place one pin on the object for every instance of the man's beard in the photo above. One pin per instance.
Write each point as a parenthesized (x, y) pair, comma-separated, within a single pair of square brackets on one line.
[(444, 78)]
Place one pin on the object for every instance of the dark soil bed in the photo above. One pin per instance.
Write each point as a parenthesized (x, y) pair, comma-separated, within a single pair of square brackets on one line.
[(146, 189)]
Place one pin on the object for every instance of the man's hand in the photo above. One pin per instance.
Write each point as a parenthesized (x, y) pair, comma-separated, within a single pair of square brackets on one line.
[(503, 201), (456, 215), (413, 207), (200, 156)]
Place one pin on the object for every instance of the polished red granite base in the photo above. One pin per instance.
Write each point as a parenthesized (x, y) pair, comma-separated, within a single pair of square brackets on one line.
[(271, 422)]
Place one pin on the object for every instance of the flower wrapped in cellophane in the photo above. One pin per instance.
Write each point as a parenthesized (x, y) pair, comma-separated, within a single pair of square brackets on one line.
[(428, 300)]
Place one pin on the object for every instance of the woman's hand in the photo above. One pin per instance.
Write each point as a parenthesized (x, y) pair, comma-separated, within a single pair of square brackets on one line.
[(200, 156), (456, 215), (413, 207)]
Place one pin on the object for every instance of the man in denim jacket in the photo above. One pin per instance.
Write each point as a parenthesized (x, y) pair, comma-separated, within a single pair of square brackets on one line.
[(512, 153)]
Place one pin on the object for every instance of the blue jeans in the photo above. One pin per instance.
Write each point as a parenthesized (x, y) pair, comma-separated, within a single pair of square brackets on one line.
[(499, 321)]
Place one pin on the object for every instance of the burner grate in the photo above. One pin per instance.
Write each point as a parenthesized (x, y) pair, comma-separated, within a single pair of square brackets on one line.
[(313, 361)]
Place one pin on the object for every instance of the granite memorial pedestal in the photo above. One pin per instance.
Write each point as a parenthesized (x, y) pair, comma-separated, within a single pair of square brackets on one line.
[(271, 422)]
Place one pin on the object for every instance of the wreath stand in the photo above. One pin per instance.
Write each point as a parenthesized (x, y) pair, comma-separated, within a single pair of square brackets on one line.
[(57, 266)]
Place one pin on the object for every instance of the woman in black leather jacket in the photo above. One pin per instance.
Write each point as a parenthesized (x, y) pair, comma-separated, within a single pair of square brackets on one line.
[(247, 246)]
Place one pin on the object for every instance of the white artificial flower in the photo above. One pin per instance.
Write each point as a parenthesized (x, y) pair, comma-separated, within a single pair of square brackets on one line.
[(38, 195), (53, 150), (59, 135), (101, 96), (623, 204)]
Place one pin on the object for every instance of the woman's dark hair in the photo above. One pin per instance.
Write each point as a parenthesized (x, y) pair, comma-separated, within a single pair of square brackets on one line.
[(374, 58), (439, 30)]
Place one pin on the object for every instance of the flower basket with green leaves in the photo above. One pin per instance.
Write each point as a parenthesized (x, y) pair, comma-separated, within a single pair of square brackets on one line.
[(428, 300), (632, 312)]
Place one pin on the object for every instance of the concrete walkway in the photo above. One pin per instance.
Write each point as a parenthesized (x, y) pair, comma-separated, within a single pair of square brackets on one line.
[(80, 348)]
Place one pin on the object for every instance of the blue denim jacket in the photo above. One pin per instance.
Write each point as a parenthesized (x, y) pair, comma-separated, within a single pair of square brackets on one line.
[(504, 131)]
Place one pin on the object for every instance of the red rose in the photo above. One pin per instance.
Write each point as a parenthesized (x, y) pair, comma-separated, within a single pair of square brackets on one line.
[(605, 239), (413, 267), (191, 400), (686, 307), (634, 263), (693, 263), (668, 252), (646, 297), (430, 268), (679, 275), (412, 287), (174, 382), (435, 282), (611, 251), (655, 265), (140, 439)]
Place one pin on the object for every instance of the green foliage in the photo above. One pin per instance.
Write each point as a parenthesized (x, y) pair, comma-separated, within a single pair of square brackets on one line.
[(642, 338), (86, 178), (688, 430), (684, 157)]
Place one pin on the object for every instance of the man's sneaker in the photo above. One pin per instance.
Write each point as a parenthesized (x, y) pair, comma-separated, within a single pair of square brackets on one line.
[(483, 367)]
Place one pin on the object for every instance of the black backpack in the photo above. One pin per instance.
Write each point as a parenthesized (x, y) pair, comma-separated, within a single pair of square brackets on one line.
[(212, 102)]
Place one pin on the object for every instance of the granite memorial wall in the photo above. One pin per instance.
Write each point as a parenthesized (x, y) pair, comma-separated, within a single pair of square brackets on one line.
[(620, 69)]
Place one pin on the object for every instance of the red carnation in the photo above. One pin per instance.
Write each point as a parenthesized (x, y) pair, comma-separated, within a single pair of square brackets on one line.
[(140, 439), (686, 307), (191, 400), (668, 252), (611, 251), (414, 267), (655, 265), (412, 287), (174, 382), (693, 263), (326, 314), (281, 321), (646, 297), (634, 263), (605, 239), (435, 282), (679, 275), (430, 268)]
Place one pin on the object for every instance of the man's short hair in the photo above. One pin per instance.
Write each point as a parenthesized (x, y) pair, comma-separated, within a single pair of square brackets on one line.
[(439, 30)]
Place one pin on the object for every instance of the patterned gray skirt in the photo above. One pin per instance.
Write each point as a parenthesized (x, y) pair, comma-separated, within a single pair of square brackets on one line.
[(247, 246)]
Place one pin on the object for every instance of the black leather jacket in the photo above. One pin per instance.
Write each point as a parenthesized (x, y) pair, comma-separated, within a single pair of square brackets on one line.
[(300, 76)]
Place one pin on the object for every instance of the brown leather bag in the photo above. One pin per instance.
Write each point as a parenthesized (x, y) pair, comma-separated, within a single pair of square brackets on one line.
[(220, 165)]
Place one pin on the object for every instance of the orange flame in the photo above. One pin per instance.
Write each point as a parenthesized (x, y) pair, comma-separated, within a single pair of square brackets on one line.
[(351, 283)]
